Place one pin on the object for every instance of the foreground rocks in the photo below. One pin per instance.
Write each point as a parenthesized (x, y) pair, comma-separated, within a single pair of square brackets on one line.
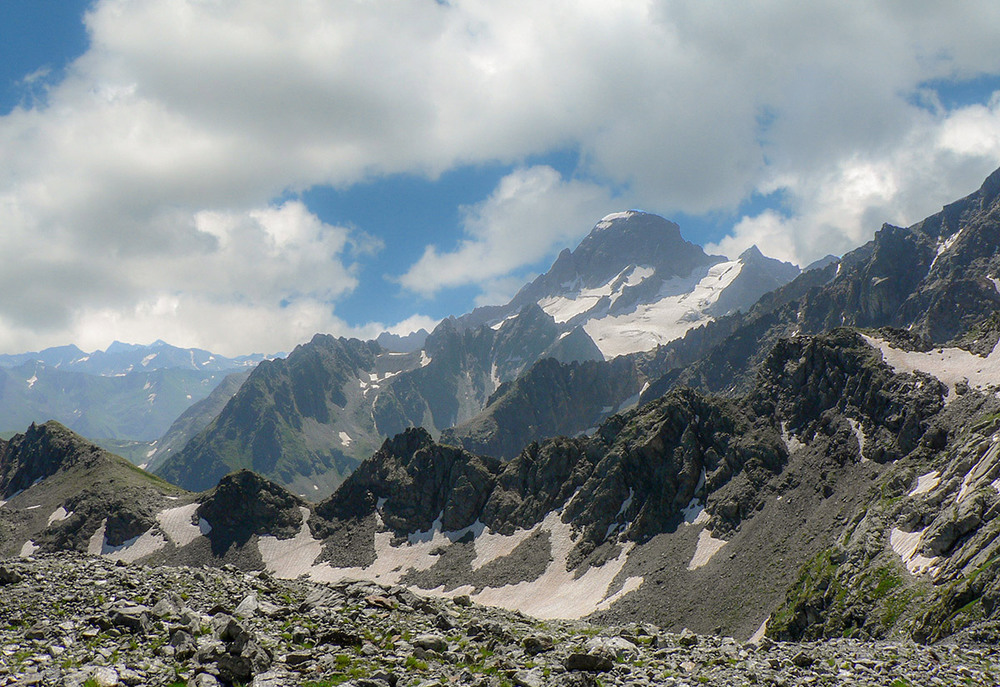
[(75, 621)]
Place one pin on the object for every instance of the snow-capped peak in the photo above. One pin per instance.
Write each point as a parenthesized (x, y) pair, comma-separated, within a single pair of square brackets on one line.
[(608, 220)]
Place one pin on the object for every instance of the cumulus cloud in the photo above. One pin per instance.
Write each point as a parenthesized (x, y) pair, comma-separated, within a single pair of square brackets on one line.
[(140, 195), (531, 210), (839, 207)]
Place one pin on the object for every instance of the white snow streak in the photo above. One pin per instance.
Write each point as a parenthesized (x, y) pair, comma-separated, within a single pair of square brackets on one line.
[(554, 594), (926, 483), (907, 544), (707, 547), (59, 514)]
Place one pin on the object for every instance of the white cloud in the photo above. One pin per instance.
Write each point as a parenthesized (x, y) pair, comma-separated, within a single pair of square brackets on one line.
[(149, 173), (531, 210), (839, 207)]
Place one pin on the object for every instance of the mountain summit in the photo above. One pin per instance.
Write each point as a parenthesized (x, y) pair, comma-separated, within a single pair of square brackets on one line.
[(634, 283)]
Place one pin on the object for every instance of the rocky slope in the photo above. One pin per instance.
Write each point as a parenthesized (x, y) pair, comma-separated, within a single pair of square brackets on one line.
[(298, 421), (192, 422), (549, 399), (935, 279), (157, 626)]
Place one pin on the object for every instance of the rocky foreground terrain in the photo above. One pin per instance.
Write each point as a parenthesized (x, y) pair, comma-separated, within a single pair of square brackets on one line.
[(73, 620)]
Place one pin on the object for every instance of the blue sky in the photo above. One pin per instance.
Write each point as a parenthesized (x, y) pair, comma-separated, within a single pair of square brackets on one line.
[(241, 175)]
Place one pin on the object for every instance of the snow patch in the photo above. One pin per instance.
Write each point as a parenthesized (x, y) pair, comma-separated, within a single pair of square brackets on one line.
[(345, 439), (906, 545), (148, 359), (694, 513), (28, 548), (31, 380), (59, 514), (555, 594), (859, 432), (943, 245), (792, 444), (707, 547), (290, 558), (608, 219), (176, 524), (680, 307), (145, 544), (926, 483), (950, 365), (425, 359), (621, 511), (757, 636)]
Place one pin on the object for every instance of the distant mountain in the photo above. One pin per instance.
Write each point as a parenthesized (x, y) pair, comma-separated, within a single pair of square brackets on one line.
[(192, 421), (395, 343), (634, 283), (124, 396), (120, 359), (631, 283), (935, 279), (136, 406)]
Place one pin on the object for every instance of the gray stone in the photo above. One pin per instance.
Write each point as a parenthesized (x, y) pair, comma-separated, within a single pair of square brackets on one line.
[(536, 644), (590, 662), (803, 659), (528, 678), (203, 680), (248, 607), (431, 642), (104, 676), (133, 618), (9, 576)]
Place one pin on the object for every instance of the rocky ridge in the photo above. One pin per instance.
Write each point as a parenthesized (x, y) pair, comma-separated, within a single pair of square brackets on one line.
[(84, 621)]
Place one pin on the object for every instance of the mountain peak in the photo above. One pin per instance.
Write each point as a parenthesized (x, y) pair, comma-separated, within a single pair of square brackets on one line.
[(610, 219), (751, 253)]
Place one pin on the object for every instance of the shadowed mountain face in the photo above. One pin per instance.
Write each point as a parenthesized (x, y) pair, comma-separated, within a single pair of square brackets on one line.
[(935, 279)]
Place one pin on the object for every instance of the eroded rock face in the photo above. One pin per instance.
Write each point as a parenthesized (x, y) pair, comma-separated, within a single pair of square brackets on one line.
[(420, 481)]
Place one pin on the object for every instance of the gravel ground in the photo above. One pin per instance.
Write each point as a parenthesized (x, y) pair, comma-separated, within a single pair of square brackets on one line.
[(86, 621)]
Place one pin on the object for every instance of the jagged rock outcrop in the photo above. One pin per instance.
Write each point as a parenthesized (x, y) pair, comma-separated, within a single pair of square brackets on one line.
[(244, 504), (39, 453), (420, 482)]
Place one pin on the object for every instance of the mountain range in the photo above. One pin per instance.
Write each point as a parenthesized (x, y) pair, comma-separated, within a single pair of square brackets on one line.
[(820, 461), (631, 284)]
